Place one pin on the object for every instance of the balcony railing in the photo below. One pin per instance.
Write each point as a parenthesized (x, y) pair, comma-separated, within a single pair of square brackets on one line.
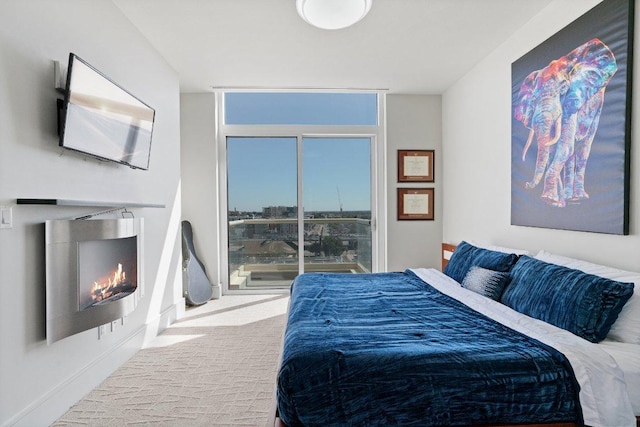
[(264, 252)]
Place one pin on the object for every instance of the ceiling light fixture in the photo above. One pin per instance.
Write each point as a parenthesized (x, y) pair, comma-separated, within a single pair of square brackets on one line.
[(332, 14)]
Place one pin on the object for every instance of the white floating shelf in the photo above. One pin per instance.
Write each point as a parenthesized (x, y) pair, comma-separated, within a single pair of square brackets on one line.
[(92, 203)]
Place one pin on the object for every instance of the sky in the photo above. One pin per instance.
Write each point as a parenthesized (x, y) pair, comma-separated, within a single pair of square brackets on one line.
[(296, 108), (263, 171)]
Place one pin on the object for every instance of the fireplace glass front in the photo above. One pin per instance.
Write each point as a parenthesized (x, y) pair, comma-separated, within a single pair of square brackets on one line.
[(107, 271)]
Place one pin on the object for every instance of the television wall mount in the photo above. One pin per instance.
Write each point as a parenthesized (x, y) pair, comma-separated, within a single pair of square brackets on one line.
[(59, 78)]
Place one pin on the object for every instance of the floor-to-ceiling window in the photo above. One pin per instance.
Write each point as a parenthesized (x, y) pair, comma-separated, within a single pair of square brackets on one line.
[(301, 178)]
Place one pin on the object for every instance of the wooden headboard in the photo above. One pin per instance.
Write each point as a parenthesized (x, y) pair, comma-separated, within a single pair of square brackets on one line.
[(447, 250)]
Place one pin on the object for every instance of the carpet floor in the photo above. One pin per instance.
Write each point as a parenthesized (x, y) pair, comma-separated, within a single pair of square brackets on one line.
[(217, 366)]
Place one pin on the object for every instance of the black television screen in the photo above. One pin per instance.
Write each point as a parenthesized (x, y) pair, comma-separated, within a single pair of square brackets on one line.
[(102, 119)]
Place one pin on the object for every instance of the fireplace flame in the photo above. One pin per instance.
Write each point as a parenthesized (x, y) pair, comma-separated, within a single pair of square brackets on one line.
[(107, 287), (119, 276)]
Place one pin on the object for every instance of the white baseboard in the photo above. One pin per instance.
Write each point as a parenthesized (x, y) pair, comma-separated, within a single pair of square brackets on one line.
[(217, 291), (52, 405)]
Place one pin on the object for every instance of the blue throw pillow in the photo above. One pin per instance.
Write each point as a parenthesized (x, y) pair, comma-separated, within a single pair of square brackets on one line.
[(582, 303), (466, 256), (486, 282)]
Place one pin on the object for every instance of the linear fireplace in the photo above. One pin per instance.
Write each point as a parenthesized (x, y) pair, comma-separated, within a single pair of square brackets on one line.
[(92, 273)]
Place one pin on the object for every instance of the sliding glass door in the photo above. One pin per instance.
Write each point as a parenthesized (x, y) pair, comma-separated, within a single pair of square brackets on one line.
[(267, 235), (337, 204), (263, 215)]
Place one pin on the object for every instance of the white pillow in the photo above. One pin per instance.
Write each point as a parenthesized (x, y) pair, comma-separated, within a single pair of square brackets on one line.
[(627, 327), (504, 249)]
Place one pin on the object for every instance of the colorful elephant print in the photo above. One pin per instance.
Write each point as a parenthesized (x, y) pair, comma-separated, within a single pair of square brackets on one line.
[(561, 105)]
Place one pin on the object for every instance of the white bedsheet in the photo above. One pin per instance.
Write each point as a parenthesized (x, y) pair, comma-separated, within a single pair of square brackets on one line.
[(628, 358), (603, 394)]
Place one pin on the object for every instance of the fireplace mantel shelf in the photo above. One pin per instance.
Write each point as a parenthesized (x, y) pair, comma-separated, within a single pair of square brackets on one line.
[(92, 203)]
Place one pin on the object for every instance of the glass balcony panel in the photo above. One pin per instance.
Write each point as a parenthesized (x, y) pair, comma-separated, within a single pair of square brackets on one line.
[(337, 245), (262, 253)]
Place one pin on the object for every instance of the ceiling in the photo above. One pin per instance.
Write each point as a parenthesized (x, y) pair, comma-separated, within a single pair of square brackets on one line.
[(404, 46)]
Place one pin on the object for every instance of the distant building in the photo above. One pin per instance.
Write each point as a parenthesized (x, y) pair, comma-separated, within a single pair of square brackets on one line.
[(280, 212)]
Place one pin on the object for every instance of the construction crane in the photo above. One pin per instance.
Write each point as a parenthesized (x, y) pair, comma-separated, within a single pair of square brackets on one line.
[(339, 199)]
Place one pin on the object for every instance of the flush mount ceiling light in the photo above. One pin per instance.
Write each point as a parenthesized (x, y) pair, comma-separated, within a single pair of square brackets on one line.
[(332, 14)]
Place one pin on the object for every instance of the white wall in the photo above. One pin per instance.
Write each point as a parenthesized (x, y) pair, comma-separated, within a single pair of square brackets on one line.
[(477, 153), (200, 176), (414, 122), (38, 383)]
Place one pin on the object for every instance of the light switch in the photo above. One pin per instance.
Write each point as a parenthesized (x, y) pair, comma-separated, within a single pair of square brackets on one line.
[(6, 219)]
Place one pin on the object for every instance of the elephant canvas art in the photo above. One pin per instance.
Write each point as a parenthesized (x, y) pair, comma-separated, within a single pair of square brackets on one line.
[(571, 125), (561, 105)]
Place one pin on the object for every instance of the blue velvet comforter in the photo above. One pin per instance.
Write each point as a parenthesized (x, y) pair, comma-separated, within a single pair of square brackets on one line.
[(388, 349)]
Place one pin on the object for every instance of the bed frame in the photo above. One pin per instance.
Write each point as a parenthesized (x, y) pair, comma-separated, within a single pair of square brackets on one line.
[(279, 423), (447, 251)]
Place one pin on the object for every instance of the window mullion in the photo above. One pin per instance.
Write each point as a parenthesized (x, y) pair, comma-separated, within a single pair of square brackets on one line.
[(300, 208), (289, 130)]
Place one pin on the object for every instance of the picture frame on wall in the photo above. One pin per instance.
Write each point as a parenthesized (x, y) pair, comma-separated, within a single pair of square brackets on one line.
[(415, 165), (570, 125), (415, 203)]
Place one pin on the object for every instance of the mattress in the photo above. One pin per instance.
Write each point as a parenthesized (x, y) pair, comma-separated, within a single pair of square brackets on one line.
[(388, 349)]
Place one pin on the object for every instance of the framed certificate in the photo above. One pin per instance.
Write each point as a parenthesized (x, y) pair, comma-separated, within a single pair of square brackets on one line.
[(415, 165), (415, 203)]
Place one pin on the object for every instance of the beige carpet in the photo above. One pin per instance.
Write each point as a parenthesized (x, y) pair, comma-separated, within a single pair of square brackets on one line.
[(215, 367)]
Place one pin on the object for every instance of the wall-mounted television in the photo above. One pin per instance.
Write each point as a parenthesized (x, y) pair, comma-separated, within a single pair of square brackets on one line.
[(103, 120)]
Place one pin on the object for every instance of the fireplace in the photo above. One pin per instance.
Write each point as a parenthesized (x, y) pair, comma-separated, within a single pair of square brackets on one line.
[(92, 273)]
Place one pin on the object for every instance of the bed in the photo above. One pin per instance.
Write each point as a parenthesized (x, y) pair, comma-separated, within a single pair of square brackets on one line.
[(425, 348)]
